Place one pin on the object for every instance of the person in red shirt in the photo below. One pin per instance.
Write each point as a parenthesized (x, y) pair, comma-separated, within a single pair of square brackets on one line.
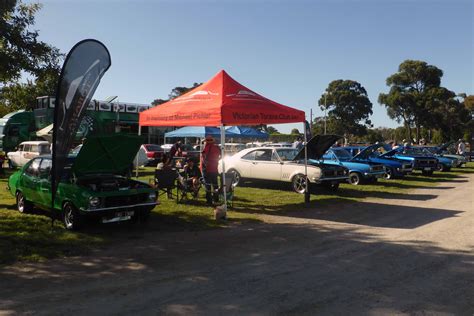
[(210, 156)]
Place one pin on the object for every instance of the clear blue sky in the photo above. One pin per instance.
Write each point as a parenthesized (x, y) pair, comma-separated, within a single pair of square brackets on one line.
[(286, 50)]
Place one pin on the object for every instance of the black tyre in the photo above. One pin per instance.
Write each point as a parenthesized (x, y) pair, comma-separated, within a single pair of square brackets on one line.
[(355, 178), (237, 177), (427, 172), (388, 174), (72, 220), (299, 183), (22, 205)]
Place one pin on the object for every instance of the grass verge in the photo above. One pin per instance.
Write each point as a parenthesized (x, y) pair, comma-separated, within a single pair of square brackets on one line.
[(31, 237)]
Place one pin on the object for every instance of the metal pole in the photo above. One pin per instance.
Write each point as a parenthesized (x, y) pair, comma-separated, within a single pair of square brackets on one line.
[(223, 166), (325, 112), (136, 159), (306, 191)]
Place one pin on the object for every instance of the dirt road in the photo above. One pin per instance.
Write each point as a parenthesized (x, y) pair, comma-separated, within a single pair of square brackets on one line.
[(413, 255)]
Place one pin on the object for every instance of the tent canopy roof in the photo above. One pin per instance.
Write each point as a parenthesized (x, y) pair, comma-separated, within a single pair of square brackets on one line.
[(220, 101)]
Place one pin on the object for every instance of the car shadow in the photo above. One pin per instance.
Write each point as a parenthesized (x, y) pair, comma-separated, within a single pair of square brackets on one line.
[(360, 213)]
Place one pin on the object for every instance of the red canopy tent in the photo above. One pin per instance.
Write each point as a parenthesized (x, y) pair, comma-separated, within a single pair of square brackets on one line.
[(221, 101)]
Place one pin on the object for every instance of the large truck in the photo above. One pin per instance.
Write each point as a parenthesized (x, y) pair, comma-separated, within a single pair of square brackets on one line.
[(16, 127), (100, 118)]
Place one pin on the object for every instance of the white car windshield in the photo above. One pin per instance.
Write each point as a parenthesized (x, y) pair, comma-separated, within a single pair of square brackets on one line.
[(287, 154)]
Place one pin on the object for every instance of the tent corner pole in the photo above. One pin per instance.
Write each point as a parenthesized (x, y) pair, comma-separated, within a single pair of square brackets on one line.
[(136, 159), (223, 166), (306, 189)]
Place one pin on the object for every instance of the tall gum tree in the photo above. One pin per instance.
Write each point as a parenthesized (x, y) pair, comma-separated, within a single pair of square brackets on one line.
[(348, 107), (410, 97)]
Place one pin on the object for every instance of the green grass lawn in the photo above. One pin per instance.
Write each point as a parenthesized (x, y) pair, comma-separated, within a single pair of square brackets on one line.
[(32, 237)]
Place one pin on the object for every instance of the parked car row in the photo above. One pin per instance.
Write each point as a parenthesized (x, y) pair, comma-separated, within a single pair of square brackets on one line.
[(328, 166)]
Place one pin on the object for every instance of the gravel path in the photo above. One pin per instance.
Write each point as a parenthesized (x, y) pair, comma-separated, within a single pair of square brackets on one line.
[(412, 255)]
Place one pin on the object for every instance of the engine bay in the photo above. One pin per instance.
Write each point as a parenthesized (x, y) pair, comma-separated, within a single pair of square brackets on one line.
[(109, 183)]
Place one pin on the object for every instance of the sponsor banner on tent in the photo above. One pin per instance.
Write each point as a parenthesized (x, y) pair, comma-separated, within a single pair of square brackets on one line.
[(83, 68)]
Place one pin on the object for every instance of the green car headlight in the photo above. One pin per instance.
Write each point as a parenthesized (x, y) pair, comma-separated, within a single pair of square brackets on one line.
[(94, 201), (152, 196)]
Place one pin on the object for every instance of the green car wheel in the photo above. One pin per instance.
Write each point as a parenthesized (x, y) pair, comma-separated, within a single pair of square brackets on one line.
[(22, 205), (71, 218)]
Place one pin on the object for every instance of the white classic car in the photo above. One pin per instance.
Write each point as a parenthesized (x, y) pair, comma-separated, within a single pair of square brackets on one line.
[(27, 151), (287, 165)]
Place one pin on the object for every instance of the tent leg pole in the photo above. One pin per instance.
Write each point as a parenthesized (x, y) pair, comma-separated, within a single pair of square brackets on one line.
[(306, 189), (136, 161), (223, 166)]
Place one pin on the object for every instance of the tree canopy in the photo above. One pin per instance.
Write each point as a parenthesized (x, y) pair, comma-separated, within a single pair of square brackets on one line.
[(175, 92), (348, 106), (417, 98), (20, 49), (22, 52)]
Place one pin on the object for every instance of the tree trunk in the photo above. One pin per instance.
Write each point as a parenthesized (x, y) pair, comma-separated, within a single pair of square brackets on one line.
[(417, 132), (408, 129)]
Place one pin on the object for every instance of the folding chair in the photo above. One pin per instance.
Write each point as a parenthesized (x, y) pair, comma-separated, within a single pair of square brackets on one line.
[(184, 188), (229, 188), (165, 181)]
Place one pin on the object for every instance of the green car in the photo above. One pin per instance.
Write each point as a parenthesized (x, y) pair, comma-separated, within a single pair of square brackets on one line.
[(93, 184)]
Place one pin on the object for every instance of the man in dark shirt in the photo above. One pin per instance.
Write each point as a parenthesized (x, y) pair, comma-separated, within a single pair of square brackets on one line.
[(209, 161)]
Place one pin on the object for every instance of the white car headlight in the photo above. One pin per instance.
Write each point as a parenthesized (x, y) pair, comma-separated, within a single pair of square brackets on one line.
[(152, 196)]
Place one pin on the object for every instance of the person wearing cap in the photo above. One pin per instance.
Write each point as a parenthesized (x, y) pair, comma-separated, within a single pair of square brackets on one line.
[(192, 174), (209, 161), (461, 147)]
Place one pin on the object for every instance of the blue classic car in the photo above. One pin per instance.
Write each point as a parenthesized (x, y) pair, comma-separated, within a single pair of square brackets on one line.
[(394, 168), (420, 160), (359, 172), (442, 154)]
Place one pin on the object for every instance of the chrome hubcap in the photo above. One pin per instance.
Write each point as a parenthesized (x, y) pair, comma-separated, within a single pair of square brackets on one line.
[(21, 203), (300, 184), (69, 217)]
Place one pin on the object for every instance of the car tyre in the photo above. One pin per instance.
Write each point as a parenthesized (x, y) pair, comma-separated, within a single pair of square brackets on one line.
[(22, 205), (355, 178), (72, 220), (388, 174), (237, 177), (299, 183)]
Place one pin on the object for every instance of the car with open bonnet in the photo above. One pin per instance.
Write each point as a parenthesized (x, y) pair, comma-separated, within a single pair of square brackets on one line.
[(93, 184), (285, 164)]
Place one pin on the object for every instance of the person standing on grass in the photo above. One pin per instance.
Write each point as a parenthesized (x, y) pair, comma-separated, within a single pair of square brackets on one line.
[(209, 161), (461, 148), (176, 150)]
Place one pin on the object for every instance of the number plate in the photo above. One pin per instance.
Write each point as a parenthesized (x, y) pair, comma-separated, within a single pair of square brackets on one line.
[(427, 169)]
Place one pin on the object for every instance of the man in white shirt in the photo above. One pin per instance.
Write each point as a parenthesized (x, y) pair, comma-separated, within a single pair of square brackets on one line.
[(461, 147)]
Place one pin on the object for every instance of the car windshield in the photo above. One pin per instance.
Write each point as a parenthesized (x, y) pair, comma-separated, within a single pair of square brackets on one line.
[(431, 150), (287, 153), (152, 147), (415, 151), (342, 154)]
